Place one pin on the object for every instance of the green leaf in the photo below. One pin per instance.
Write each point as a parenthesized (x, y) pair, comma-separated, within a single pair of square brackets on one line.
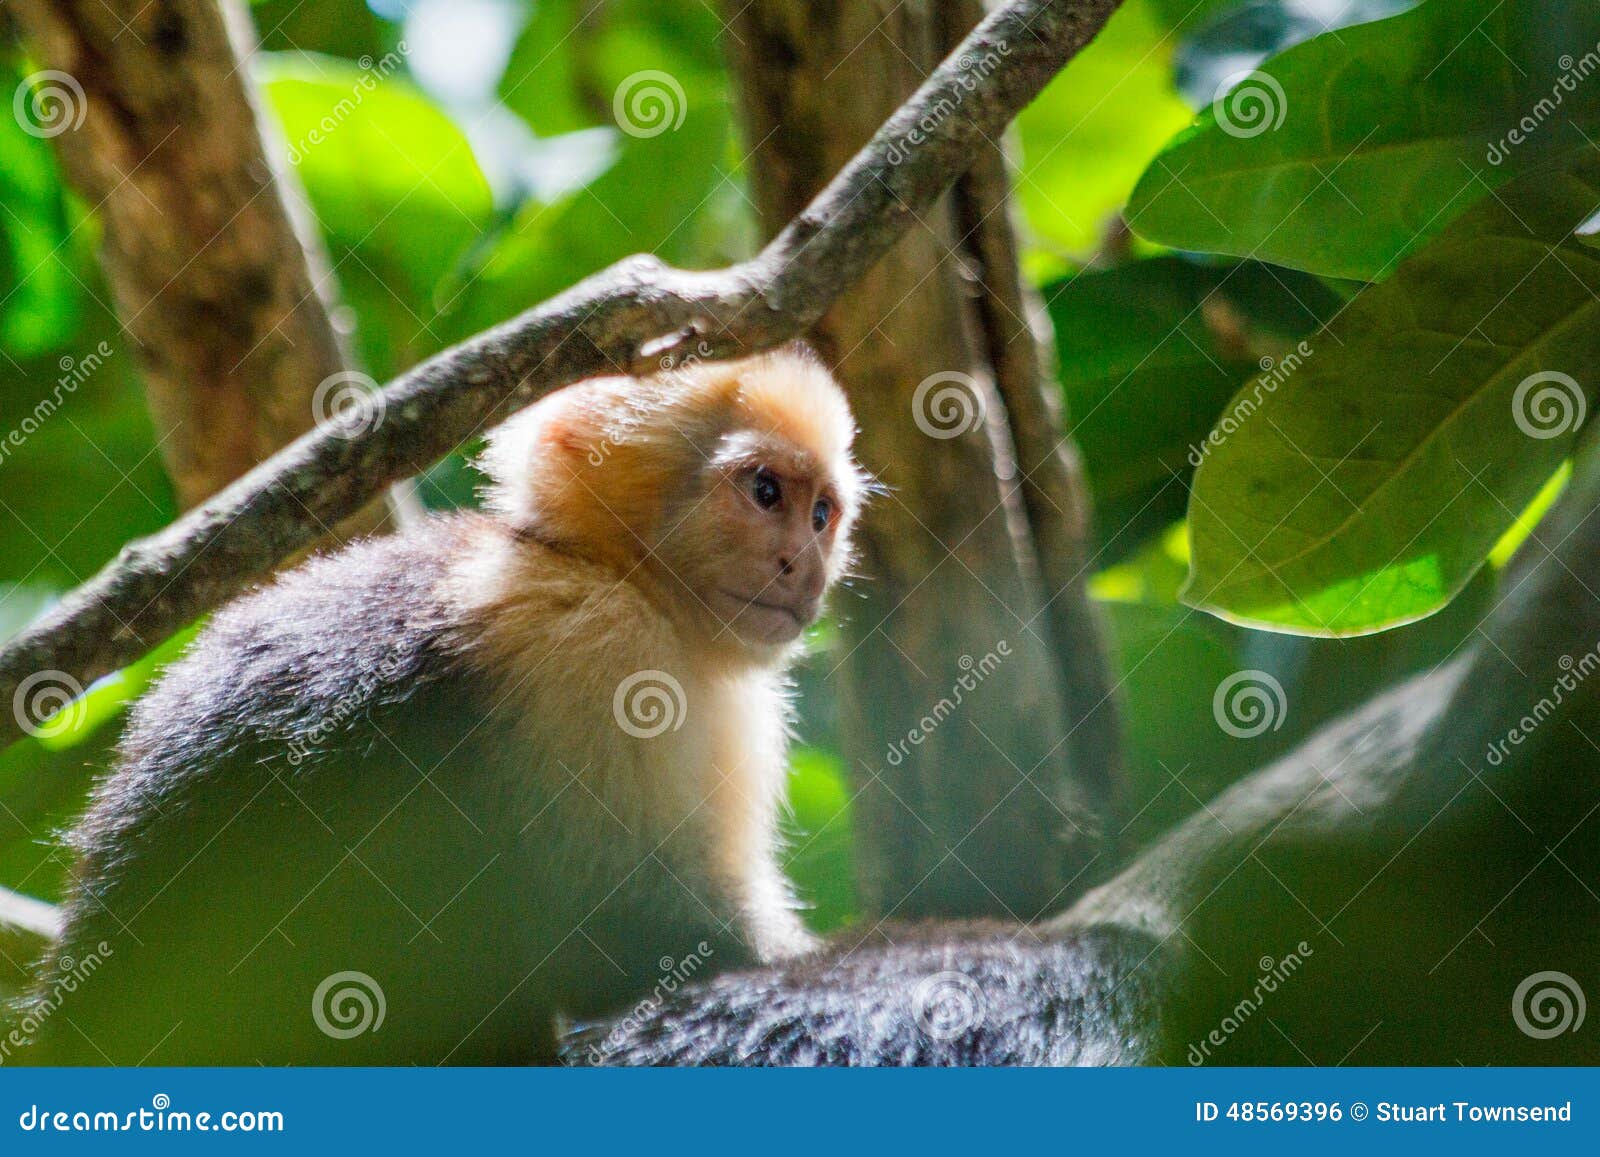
[(1360, 485), (573, 56), (79, 468), (1350, 150), (1239, 38), (394, 186), (45, 780), (821, 832), (1092, 131), (39, 295), (346, 28), (1150, 352)]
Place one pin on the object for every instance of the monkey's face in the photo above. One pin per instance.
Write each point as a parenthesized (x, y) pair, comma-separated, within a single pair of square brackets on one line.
[(762, 547)]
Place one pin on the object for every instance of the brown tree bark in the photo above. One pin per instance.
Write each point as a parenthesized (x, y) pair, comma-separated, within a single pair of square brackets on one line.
[(996, 807), (220, 296)]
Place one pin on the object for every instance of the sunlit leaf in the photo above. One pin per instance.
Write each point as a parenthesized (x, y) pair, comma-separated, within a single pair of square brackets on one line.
[(1348, 151), (1364, 488)]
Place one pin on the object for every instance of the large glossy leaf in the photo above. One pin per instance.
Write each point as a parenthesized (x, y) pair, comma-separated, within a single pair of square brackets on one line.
[(1350, 150), (1150, 352), (1364, 486)]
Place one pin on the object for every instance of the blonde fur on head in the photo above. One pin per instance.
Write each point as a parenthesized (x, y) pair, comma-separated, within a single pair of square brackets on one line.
[(587, 456)]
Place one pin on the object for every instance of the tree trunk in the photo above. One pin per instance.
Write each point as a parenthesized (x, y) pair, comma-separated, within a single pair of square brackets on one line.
[(220, 295), (967, 692)]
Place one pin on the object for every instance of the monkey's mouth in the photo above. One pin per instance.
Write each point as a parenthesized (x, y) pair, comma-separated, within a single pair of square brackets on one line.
[(768, 620)]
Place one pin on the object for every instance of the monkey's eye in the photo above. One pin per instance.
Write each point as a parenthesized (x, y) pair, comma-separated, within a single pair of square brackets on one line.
[(820, 514), (766, 489)]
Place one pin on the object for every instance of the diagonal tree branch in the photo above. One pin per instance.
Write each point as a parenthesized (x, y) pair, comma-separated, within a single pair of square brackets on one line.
[(631, 318)]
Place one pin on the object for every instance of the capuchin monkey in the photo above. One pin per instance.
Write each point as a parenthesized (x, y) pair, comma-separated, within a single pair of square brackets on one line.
[(415, 801)]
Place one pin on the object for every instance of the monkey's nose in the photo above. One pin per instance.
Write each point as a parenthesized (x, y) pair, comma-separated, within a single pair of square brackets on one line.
[(785, 566)]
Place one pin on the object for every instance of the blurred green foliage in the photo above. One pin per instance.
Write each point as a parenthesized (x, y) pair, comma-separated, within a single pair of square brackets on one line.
[(465, 159)]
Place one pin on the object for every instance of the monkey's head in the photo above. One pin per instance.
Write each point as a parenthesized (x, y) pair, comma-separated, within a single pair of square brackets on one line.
[(726, 491)]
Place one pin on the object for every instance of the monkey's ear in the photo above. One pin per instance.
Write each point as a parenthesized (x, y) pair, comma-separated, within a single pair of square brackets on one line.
[(538, 450)]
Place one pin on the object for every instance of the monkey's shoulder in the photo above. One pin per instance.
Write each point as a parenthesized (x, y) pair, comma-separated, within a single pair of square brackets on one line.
[(304, 657)]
